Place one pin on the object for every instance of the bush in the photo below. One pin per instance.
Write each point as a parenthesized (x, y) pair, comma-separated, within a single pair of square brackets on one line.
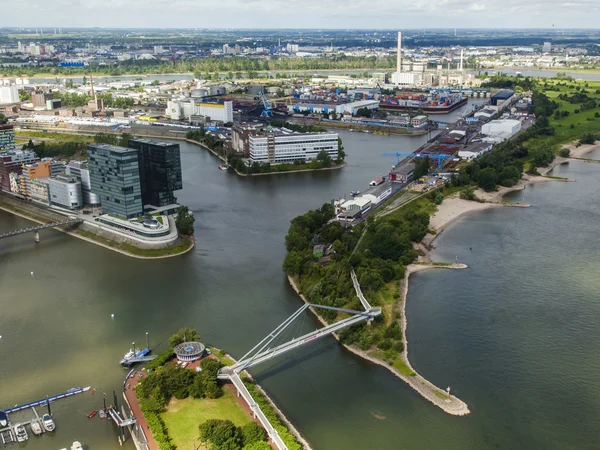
[(468, 193), (487, 179), (565, 152), (253, 432)]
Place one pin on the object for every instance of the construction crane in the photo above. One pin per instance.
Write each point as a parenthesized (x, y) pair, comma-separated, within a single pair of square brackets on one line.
[(267, 112), (439, 157)]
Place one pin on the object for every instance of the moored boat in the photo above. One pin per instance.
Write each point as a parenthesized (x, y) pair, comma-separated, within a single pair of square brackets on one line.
[(223, 166), (76, 446), (3, 419), (36, 428), (21, 433), (102, 414), (48, 423), (92, 414)]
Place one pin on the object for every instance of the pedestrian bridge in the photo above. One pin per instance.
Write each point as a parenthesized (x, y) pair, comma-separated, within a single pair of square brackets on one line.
[(36, 229), (263, 351)]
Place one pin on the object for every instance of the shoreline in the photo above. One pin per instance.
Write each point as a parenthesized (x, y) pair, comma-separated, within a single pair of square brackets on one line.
[(92, 241), (453, 405)]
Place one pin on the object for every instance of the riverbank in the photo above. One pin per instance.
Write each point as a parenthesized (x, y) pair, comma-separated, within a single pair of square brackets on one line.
[(124, 247), (448, 403)]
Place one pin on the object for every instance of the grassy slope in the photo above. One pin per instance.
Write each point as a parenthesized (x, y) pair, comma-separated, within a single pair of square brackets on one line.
[(183, 417)]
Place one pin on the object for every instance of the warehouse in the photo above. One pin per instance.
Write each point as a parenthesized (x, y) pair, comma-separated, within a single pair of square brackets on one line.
[(377, 194), (501, 96), (338, 108), (502, 128), (402, 173), (185, 109)]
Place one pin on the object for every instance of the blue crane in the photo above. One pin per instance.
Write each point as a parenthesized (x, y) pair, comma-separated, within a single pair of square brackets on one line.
[(439, 157), (267, 112)]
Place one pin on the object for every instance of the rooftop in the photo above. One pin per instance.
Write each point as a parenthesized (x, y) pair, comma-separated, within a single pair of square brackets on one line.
[(113, 148), (152, 142)]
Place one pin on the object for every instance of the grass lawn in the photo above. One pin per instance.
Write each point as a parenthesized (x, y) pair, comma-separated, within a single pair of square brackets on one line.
[(64, 137), (183, 417)]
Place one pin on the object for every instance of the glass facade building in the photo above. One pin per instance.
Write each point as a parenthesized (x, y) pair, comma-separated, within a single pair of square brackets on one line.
[(160, 171), (115, 179)]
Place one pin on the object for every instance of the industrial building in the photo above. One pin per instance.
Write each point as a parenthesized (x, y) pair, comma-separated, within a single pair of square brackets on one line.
[(500, 130), (160, 171), (377, 194), (354, 209), (338, 108), (402, 173), (502, 96), (79, 170), (185, 108), (7, 138), (281, 145), (65, 191), (9, 94), (115, 178), (474, 150)]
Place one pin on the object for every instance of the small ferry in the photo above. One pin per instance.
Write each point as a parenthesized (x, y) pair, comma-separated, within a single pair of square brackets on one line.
[(131, 355), (21, 433), (48, 423), (36, 428)]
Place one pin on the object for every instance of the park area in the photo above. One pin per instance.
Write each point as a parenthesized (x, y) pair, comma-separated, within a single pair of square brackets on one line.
[(182, 417)]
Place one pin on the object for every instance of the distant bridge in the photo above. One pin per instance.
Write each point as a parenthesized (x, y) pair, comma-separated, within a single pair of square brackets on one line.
[(38, 228)]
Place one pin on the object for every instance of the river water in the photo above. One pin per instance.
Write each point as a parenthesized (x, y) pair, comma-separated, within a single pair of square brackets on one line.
[(513, 335)]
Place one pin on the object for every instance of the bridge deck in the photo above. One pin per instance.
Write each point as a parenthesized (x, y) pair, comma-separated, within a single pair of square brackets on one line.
[(40, 227)]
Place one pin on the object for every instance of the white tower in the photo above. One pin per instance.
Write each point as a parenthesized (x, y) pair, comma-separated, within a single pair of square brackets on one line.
[(399, 57)]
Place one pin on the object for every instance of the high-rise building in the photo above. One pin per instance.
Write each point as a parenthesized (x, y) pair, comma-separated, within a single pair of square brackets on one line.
[(115, 178), (547, 47), (34, 182), (79, 170), (9, 94), (7, 138), (160, 171)]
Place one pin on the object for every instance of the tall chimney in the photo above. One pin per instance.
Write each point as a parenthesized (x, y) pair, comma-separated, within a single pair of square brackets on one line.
[(399, 57), (461, 59)]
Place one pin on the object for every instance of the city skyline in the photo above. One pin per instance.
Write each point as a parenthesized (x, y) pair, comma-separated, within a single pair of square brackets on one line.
[(331, 15)]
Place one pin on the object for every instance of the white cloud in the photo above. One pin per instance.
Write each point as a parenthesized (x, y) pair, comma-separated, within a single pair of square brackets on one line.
[(395, 14)]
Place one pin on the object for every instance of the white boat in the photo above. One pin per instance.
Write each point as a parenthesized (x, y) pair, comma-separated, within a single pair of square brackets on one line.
[(36, 428), (224, 167), (21, 433), (3, 419), (48, 423), (76, 446)]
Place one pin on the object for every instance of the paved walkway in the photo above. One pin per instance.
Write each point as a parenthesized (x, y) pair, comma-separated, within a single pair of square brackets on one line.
[(135, 408)]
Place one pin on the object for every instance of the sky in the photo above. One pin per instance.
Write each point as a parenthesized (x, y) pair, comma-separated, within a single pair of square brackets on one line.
[(365, 14)]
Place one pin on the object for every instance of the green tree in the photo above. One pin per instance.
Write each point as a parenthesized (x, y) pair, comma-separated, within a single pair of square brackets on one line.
[(184, 221), (421, 167), (341, 154), (219, 432), (184, 335), (487, 179), (260, 445), (565, 152), (509, 176), (3, 119), (324, 158), (253, 432)]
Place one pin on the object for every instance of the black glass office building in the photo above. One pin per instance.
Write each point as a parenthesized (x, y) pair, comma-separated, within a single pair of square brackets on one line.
[(115, 178), (160, 170)]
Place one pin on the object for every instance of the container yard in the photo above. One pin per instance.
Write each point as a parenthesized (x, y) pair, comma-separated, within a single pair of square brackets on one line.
[(432, 102)]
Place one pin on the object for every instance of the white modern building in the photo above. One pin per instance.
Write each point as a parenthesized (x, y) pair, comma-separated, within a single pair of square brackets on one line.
[(9, 94), (79, 170), (65, 191), (281, 145), (184, 109)]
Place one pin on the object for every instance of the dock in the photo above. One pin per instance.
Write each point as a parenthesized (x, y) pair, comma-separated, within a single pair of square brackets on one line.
[(45, 401), (135, 356)]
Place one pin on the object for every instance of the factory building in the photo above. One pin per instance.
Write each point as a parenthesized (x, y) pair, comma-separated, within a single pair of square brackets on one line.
[(79, 170), (65, 191), (502, 96), (500, 130), (281, 145), (402, 173), (338, 108), (185, 109)]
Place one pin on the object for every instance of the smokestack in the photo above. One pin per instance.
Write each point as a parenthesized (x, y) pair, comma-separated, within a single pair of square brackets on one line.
[(399, 57), (461, 59)]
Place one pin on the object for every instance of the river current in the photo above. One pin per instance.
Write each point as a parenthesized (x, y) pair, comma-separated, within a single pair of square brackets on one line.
[(514, 336)]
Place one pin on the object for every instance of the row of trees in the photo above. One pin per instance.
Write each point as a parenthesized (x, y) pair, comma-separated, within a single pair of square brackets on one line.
[(211, 65)]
